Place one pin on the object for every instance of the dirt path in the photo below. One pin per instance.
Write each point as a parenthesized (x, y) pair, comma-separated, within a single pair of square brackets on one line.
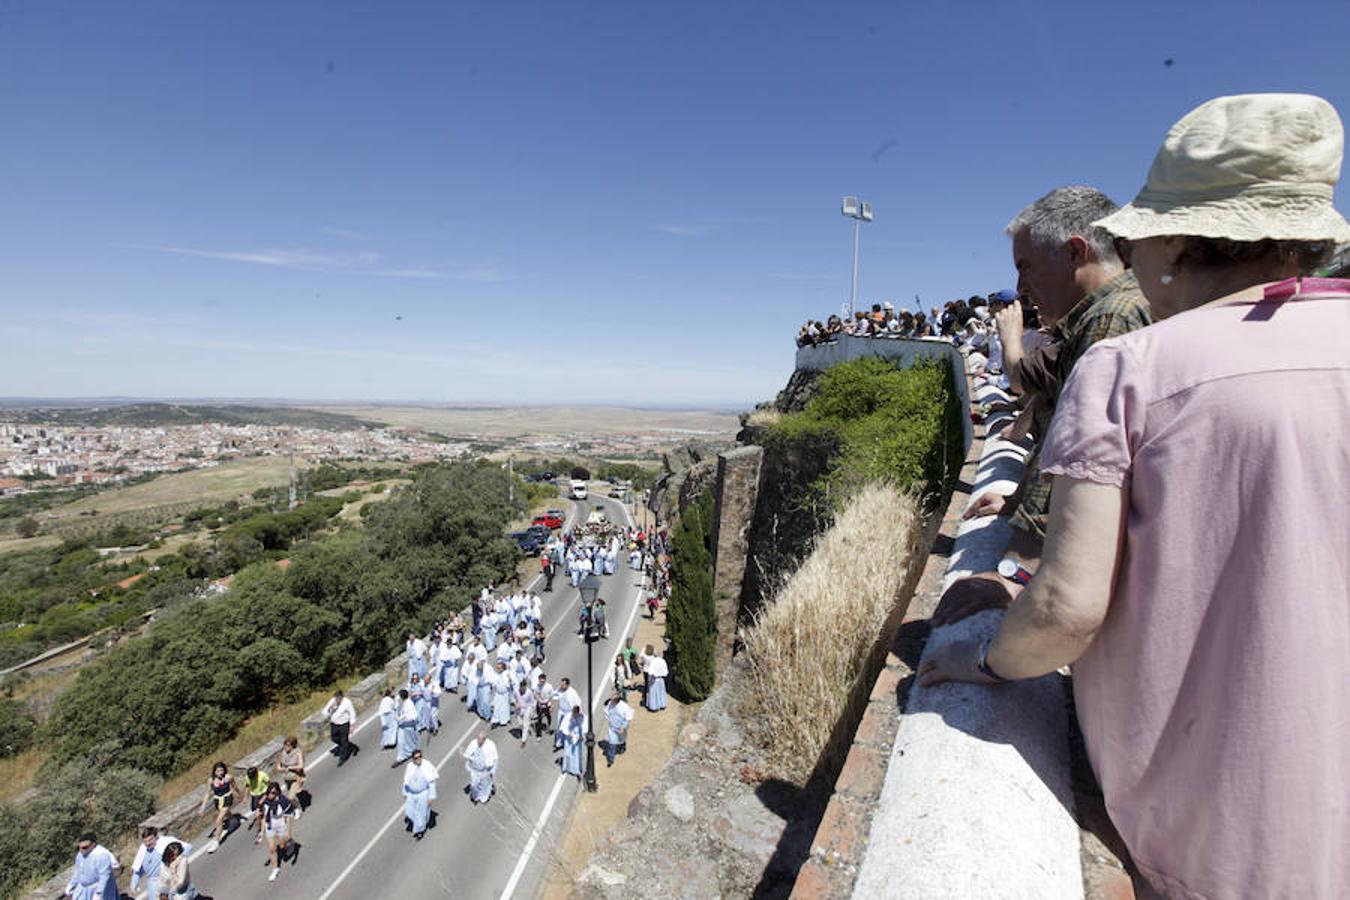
[(651, 740)]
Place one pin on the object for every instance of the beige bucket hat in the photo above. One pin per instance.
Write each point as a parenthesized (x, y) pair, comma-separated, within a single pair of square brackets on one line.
[(1247, 168)]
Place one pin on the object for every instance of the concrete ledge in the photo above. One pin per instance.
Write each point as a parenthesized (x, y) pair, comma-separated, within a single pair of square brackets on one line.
[(368, 688), (977, 799), (263, 757)]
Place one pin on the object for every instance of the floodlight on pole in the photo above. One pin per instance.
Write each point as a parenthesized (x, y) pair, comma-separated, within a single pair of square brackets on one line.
[(859, 211)]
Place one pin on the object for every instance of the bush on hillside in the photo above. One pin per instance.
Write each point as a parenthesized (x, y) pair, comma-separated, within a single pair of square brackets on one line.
[(84, 796), (691, 615), (16, 727), (895, 426)]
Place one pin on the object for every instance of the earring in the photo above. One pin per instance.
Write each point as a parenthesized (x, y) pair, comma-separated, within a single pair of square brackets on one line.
[(1167, 278)]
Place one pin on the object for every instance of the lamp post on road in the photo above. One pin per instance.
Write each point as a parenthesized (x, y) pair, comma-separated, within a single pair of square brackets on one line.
[(590, 589), (859, 211)]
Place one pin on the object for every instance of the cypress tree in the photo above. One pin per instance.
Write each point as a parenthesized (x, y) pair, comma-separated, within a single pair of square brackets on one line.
[(691, 618)]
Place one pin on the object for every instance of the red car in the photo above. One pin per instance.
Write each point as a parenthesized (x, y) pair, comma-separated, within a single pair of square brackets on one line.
[(548, 520)]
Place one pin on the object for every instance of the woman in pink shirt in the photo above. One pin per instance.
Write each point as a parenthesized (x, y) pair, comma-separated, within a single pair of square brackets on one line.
[(1196, 570)]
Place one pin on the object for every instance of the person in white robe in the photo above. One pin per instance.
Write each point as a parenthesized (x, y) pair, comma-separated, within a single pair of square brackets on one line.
[(469, 674), (417, 655), (618, 716), (488, 631), (568, 700), (574, 736), (450, 668), (418, 694), (657, 670), (407, 729), (480, 761), (501, 696), (522, 708), (419, 789), (388, 720), (433, 690), (95, 876), (483, 694)]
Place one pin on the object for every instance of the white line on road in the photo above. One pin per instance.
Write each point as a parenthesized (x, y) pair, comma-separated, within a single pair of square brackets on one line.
[(539, 824)]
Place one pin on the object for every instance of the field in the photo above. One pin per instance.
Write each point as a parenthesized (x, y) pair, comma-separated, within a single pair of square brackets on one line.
[(201, 486), (512, 421)]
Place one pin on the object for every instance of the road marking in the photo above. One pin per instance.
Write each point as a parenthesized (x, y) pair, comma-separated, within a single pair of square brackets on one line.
[(392, 819), (514, 881), (534, 835)]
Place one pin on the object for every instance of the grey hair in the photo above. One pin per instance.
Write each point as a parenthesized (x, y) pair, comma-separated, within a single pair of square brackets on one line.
[(1065, 212)]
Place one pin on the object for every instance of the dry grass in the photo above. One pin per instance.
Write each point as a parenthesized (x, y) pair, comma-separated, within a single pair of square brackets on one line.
[(808, 648), (274, 722), (764, 417), (18, 772)]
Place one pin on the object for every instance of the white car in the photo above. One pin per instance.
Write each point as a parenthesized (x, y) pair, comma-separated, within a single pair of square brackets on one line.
[(578, 490)]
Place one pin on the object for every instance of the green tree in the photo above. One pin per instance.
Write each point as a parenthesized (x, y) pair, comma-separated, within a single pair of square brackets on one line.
[(691, 617), (27, 527)]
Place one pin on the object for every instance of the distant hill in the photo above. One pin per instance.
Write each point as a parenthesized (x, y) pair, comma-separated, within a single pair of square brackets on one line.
[(150, 415)]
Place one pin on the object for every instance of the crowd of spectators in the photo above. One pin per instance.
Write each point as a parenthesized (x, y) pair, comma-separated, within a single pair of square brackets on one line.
[(963, 322)]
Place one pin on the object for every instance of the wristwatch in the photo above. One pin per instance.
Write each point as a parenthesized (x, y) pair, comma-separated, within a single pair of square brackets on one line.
[(982, 662), (1012, 570)]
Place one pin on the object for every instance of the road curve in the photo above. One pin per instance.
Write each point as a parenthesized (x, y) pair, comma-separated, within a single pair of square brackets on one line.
[(354, 843)]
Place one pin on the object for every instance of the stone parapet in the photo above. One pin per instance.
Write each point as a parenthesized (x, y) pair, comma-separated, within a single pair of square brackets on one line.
[(737, 491)]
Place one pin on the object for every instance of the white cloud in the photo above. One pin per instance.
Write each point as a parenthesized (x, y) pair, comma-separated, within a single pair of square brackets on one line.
[(362, 263), (684, 230)]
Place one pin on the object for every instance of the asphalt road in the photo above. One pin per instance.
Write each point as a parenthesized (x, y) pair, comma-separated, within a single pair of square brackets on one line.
[(354, 846)]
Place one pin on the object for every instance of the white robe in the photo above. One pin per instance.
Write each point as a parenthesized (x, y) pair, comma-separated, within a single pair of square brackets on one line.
[(480, 761), (95, 876)]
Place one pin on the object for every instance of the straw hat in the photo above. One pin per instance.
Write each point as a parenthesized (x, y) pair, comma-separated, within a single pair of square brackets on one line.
[(1246, 168)]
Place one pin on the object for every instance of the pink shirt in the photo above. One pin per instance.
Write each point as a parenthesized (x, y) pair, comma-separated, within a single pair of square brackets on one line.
[(1214, 699)]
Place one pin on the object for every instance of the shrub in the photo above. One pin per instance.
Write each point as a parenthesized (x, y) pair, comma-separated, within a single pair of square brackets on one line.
[(16, 727), (809, 648), (691, 616), (27, 527), (84, 796), (895, 426)]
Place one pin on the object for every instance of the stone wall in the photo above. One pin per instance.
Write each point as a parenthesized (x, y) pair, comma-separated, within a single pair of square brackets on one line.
[(737, 489)]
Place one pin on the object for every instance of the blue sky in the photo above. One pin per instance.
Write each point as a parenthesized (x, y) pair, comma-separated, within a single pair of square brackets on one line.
[(627, 203)]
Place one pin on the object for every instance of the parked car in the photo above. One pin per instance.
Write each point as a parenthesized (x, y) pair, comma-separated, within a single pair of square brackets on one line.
[(529, 542), (548, 520)]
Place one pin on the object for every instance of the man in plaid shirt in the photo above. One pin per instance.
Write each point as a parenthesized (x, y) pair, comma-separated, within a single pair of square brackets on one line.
[(1082, 290)]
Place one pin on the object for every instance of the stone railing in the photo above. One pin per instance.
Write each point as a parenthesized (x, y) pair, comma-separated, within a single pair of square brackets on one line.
[(960, 790)]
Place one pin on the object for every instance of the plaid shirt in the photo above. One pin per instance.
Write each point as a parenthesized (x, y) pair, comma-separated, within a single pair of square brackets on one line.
[(1115, 308)]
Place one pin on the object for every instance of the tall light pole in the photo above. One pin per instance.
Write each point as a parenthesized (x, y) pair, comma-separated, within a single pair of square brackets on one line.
[(590, 589), (859, 211)]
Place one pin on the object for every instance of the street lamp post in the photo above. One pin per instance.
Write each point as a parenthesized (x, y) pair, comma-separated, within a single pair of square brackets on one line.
[(859, 211), (590, 589)]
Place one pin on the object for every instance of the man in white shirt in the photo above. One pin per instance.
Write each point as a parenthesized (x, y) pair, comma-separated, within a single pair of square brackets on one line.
[(148, 863), (341, 715), (543, 703)]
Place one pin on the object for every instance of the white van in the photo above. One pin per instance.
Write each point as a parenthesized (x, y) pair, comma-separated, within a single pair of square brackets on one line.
[(578, 489)]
